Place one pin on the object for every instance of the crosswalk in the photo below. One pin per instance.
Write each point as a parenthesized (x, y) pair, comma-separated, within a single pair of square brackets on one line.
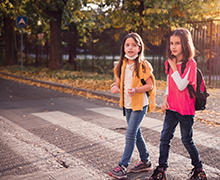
[(94, 144), (199, 137)]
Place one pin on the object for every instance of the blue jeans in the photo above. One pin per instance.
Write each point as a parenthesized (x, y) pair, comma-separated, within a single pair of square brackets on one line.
[(134, 136), (172, 118)]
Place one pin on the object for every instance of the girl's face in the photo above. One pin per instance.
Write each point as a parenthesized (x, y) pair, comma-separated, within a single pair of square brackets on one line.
[(130, 47), (176, 47)]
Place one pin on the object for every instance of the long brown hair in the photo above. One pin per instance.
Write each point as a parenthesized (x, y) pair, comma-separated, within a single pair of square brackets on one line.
[(140, 57), (188, 47)]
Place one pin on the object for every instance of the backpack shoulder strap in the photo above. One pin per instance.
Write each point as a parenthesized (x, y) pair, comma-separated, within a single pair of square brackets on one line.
[(199, 78), (198, 83), (168, 68), (143, 82), (191, 90)]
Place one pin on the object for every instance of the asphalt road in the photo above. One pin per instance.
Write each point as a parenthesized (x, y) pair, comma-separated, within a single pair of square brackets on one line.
[(47, 134)]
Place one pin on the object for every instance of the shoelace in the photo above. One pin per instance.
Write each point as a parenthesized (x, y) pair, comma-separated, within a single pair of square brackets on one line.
[(192, 171), (138, 164), (117, 169), (196, 172), (156, 171)]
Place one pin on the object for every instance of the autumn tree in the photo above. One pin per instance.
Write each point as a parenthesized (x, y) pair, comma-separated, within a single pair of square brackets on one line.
[(38, 26), (133, 15), (137, 15), (54, 10), (82, 22), (9, 10), (72, 19), (39, 14)]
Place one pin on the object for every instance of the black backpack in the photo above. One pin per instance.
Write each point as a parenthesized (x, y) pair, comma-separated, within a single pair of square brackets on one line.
[(201, 96)]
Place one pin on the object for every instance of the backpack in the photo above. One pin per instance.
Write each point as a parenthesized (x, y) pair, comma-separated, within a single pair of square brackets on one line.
[(200, 94)]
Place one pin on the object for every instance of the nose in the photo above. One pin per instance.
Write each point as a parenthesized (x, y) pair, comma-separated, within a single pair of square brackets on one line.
[(173, 46)]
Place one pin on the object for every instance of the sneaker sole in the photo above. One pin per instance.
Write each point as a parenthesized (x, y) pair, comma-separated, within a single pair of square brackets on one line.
[(152, 178), (141, 170), (118, 177), (203, 178)]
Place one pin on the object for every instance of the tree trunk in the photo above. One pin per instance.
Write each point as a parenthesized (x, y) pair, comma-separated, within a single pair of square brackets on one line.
[(72, 45), (55, 61), (36, 50), (11, 57)]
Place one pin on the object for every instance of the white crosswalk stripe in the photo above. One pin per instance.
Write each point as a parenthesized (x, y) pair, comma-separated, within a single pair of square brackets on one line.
[(199, 137)]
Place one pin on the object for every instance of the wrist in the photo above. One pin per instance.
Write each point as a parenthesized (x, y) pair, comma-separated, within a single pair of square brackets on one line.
[(175, 69), (135, 90), (113, 84)]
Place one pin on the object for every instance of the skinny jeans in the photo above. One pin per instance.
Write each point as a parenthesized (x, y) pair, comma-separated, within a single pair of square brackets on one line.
[(171, 121), (134, 136)]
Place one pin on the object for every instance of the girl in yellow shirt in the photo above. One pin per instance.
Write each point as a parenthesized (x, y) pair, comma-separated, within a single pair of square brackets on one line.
[(130, 71)]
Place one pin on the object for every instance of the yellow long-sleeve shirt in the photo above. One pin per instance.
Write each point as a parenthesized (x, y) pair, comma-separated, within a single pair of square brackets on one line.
[(137, 99)]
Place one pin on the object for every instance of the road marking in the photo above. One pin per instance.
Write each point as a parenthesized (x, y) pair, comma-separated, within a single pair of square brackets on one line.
[(205, 139), (43, 155), (116, 141)]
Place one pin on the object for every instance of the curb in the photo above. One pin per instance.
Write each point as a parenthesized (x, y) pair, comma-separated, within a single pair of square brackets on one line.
[(105, 94), (97, 93)]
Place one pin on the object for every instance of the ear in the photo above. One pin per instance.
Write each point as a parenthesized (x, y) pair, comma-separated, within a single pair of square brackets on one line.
[(139, 49)]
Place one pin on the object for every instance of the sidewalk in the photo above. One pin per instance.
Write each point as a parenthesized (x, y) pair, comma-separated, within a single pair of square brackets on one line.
[(209, 116)]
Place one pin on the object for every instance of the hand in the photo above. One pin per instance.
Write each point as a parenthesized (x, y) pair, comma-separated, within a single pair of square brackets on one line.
[(131, 91), (165, 104), (115, 89), (172, 63)]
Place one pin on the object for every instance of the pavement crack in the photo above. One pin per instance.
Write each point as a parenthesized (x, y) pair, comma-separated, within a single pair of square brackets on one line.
[(121, 128), (62, 163)]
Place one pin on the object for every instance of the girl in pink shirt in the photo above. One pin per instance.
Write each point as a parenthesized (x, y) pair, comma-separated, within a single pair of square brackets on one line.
[(179, 107)]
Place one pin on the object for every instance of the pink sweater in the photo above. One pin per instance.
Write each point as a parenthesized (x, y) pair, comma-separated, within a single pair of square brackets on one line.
[(180, 101)]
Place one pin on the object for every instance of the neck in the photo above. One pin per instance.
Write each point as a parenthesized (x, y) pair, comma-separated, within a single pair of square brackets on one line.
[(179, 58), (130, 61)]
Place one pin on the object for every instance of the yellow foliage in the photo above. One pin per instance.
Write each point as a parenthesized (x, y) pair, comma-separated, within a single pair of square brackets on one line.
[(158, 11), (155, 35), (165, 11), (116, 36), (147, 11), (136, 3)]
